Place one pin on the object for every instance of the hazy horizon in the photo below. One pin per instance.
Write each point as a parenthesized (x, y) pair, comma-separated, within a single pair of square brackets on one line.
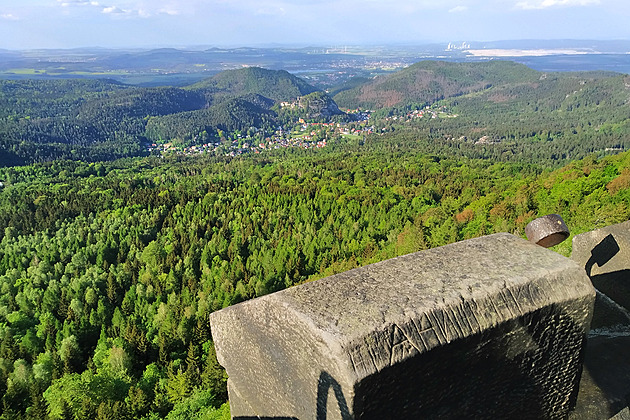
[(596, 45), (68, 24)]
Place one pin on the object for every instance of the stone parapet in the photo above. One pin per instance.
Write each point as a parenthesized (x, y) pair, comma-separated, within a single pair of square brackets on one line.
[(605, 385), (605, 255), (492, 327)]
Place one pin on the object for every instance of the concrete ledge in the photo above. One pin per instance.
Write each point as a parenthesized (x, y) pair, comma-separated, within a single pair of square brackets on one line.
[(485, 328)]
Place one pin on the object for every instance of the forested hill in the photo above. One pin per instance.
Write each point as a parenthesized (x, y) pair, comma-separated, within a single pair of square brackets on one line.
[(499, 110), (547, 119), (102, 120), (427, 82), (230, 115), (277, 85)]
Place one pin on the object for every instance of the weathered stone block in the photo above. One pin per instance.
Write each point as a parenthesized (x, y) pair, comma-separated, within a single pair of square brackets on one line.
[(605, 385), (492, 327), (605, 254)]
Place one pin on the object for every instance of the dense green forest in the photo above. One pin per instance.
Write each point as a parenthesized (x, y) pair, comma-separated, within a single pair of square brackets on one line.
[(430, 81), (109, 271), (550, 119), (194, 127), (276, 85), (111, 260)]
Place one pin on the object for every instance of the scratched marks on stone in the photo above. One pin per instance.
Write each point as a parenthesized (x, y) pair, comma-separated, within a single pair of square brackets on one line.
[(397, 343), (401, 346), (440, 326)]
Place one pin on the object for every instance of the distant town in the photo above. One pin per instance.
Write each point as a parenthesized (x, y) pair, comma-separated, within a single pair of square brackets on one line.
[(426, 112), (306, 135)]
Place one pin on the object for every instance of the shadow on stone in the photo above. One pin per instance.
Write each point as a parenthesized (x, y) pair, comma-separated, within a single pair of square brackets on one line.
[(482, 377), (324, 384), (604, 388), (616, 285), (607, 313), (602, 253)]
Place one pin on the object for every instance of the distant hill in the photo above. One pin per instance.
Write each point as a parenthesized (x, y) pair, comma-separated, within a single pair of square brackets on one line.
[(314, 107), (229, 115), (142, 102), (100, 119), (318, 104), (497, 103), (347, 85), (278, 85), (240, 113), (547, 118), (51, 98), (430, 81), (552, 95)]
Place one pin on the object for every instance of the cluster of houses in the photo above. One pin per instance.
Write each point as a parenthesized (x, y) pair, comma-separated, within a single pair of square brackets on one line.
[(426, 112), (313, 136), (337, 128), (238, 147)]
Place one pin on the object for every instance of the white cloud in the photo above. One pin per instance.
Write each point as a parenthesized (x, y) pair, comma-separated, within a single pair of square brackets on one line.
[(118, 12), (9, 16), (170, 12), (544, 4), (146, 8), (458, 9), (126, 8), (113, 10)]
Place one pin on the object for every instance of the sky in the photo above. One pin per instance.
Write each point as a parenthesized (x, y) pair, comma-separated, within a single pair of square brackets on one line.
[(31, 24)]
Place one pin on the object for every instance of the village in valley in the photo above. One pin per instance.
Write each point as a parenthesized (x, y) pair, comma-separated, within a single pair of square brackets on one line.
[(304, 135), (426, 112)]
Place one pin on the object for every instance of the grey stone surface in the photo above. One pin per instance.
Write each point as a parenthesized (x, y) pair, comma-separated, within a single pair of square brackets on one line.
[(608, 314), (605, 385), (605, 254), (622, 415), (492, 327)]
